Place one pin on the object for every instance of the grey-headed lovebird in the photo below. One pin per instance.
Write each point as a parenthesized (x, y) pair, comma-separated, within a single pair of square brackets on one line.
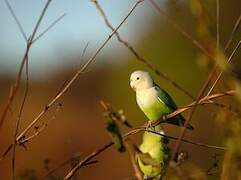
[(154, 102)]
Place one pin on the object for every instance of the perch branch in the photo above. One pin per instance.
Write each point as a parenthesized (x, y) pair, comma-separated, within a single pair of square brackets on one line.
[(143, 128)]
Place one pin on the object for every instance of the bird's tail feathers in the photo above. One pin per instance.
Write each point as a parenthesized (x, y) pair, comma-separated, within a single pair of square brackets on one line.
[(179, 120)]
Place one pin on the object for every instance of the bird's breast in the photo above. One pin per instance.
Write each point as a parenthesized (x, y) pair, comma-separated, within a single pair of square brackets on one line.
[(146, 98), (152, 106)]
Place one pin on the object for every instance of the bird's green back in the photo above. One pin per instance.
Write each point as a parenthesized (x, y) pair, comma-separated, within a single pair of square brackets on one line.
[(166, 98)]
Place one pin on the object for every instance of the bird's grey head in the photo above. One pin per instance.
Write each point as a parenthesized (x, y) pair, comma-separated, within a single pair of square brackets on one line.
[(140, 80)]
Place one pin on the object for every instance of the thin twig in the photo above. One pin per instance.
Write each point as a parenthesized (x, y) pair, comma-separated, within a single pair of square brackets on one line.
[(204, 100), (18, 79), (189, 117), (136, 54), (87, 159), (64, 164), (220, 74), (20, 27), (181, 30), (235, 28), (49, 27), (6, 152), (23, 61), (189, 141), (36, 133), (19, 119), (38, 129)]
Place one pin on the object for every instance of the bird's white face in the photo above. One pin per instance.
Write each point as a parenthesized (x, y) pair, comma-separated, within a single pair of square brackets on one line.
[(140, 80)]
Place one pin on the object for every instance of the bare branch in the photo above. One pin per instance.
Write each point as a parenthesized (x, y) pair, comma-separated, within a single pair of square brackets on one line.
[(49, 27), (24, 59), (136, 54), (37, 132), (220, 74), (235, 28), (19, 119), (20, 27), (181, 30), (76, 75), (87, 159), (64, 164), (188, 141)]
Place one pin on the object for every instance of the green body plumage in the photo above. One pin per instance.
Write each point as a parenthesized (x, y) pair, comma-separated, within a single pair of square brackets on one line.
[(155, 103)]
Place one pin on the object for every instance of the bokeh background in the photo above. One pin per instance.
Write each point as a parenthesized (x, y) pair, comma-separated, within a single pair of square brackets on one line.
[(78, 127)]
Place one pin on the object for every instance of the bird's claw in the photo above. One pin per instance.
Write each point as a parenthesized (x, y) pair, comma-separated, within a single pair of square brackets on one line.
[(149, 126)]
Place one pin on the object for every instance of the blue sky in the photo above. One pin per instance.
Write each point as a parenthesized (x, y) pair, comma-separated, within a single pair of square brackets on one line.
[(81, 24)]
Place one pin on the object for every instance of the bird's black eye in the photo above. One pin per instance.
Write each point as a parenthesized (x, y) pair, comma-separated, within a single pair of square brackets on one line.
[(137, 78)]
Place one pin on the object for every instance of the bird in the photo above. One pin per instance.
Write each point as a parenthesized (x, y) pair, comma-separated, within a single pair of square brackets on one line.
[(154, 101)]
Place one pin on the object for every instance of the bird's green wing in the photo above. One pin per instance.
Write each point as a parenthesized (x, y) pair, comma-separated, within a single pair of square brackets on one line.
[(166, 98), (163, 96)]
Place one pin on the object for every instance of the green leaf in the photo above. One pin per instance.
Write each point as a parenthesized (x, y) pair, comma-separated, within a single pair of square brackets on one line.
[(114, 132), (148, 160)]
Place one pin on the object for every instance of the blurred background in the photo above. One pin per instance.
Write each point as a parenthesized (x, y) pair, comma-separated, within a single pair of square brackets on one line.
[(77, 128)]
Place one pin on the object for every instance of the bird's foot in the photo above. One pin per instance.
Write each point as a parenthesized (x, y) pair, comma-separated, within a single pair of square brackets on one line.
[(149, 126)]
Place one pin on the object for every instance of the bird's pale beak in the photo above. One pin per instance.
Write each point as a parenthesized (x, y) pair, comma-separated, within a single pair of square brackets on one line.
[(132, 86)]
